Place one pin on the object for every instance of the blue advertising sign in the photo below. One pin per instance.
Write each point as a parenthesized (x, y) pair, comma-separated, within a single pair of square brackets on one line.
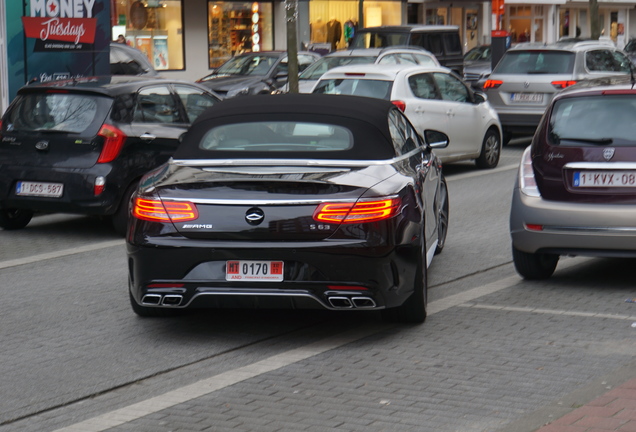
[(56, 39)]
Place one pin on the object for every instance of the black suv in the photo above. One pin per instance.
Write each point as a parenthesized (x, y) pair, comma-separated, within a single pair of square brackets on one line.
[(441, 40), (81, 146)]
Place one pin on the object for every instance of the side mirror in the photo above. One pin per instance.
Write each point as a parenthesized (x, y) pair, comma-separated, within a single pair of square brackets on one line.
[(480, 97), (435, 139), (281, 75)]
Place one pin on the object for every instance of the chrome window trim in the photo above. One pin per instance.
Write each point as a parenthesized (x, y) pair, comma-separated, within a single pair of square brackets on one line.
[(601, 165), (264, 202)]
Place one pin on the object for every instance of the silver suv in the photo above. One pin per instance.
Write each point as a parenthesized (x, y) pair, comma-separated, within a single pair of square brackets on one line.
[(528, 76)]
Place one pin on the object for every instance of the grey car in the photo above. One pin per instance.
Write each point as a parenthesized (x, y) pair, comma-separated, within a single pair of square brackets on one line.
[(527, 77), (254, 73), (477, 65), (386, 56)]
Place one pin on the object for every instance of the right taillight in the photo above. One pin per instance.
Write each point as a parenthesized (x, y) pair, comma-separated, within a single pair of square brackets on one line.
[(113, 142), (492, 84), (400, 104), (358, 212), (563, 84), (527, 181), (156, 210)]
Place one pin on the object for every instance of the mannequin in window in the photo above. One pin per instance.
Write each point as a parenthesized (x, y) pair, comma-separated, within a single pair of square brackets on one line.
[(319, 31), (334, 32)]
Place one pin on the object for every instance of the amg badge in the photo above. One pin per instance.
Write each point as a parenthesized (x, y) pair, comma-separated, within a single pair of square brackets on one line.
[(196, 226)]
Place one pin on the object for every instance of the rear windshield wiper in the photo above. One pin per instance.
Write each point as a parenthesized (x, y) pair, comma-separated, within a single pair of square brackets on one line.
[(600, 141), (538, 72)]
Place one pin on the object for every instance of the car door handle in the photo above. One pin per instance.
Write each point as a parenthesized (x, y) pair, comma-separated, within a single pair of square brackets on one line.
[(419, 110), (450, 113), (147, 137)]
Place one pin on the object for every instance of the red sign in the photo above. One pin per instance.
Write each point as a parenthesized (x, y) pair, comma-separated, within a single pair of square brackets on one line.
[(73, 30)]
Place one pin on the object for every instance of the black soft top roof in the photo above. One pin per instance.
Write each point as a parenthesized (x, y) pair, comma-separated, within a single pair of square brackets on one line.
[(365, 117)]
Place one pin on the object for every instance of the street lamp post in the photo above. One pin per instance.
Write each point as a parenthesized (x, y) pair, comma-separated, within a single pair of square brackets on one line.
[(291, 15)]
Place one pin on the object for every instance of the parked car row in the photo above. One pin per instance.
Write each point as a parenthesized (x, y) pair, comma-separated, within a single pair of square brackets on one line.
[(252, 201)]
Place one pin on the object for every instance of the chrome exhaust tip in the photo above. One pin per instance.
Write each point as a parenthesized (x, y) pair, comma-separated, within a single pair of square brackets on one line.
[(363, 302), (151, 299), (340, 302), (171, 300)]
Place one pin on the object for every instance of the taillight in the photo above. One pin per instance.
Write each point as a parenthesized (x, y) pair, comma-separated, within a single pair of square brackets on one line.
[(155, 210), (527, 181), (400, 104), (563, 84), (357, 212), (493, 84), (113, 142)]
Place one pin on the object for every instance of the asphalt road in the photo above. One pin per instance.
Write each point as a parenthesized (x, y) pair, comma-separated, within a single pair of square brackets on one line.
[(496, 353)]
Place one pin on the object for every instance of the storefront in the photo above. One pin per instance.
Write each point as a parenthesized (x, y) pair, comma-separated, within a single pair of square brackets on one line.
[(155, 27), (238, 27), (473, 20)]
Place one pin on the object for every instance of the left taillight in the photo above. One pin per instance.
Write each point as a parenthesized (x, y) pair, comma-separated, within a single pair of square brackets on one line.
[(113, 142), (156, 210), (527, 181), (357, 212)]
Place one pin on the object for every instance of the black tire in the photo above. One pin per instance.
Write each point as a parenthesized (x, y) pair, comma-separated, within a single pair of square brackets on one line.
[(534, 266), (15, 219), (442, 216), (144, 311), (413, 310), (120, 218), (490, 150)]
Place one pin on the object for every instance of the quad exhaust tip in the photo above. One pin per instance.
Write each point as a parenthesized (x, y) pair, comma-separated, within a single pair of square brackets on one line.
[(351, 303), (168, 300)]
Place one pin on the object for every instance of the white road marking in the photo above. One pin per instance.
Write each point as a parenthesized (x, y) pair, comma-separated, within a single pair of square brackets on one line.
[(549, 311), (59, 254), (150, 406)]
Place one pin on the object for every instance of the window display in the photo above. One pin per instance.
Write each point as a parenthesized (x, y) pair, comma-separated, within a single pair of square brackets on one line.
[(155, 27), (237, 27)]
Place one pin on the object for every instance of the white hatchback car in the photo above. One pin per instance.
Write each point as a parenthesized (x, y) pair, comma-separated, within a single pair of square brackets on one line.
[(432, 97)]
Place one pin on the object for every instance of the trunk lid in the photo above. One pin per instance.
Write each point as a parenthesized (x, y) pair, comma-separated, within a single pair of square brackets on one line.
[(263, 203)]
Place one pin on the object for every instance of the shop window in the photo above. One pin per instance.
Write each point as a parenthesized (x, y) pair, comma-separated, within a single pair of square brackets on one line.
[(236, 27), (332, 23), (155, 27)]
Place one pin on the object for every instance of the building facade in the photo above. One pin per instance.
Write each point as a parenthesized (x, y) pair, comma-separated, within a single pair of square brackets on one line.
[(187, 38)]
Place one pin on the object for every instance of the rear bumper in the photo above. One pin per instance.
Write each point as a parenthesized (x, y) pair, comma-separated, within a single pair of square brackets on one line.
[(78, 194), (520, 123), (572, 228), (336, 275)]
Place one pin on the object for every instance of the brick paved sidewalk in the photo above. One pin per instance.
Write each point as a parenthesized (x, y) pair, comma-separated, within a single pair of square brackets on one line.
[(614, 411)]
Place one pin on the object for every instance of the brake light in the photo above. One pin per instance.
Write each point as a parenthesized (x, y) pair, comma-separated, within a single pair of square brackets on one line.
[(357, 212), (563, 84), (156, 210), (400, 104), (113, 142), (355, 74), (527, 181), (493, 84)]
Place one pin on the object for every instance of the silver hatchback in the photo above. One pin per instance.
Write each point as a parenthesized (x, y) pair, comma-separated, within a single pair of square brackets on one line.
[(528, 76)]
